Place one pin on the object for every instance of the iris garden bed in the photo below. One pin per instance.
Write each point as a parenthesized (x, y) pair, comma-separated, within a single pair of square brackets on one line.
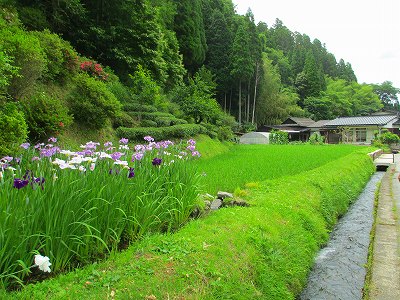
[(73, 207)]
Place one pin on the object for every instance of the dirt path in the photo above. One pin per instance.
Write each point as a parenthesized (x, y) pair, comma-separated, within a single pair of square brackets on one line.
[(385, 277)]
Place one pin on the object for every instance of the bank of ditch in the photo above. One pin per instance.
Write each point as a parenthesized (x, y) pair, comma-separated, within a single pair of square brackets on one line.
[(264, 251)]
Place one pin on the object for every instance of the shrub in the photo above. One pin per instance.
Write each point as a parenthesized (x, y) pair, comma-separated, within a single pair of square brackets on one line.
[(93, 69), (29, 58), (13, 128), (123, 119), (46, 116), (91, 103), (7, 70), (279, 137), (59, 54), (170, 132), (316, 139), (136, 107), (144, 88), (388, 138), (121, 92), (148, 123)]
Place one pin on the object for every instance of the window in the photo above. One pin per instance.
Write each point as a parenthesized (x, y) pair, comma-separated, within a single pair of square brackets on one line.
[(361, 135)]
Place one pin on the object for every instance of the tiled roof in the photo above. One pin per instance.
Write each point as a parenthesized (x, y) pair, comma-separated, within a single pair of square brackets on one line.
[(319, 124), (304, 122), (365, 120)]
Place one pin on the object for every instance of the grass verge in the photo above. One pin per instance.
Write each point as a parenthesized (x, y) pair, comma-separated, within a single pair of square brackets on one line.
[(261, 252)]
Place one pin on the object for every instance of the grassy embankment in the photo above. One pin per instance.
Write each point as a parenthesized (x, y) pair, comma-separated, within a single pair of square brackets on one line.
[(261, 252)]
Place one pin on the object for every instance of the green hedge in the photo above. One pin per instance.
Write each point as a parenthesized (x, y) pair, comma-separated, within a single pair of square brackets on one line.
[(160, 133), (136, 107)]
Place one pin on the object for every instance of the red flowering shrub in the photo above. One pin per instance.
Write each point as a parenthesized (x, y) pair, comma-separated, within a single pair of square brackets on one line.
[(94, 69)]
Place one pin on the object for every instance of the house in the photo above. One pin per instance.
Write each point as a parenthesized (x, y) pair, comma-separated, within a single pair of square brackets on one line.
[(359, 130), (297, 128)]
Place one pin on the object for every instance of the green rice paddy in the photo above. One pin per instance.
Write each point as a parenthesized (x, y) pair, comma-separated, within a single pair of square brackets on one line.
[(254, 163)]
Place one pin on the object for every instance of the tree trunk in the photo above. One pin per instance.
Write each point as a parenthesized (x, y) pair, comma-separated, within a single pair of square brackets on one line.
[(230, 102), (240, 103), (225, 101), (248, 102), (255, 91)]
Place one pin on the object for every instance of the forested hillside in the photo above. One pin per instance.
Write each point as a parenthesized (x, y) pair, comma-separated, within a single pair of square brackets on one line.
[(145, 66)]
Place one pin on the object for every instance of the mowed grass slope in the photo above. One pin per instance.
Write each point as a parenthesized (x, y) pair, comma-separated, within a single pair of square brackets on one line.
[(261, 252), (254, 163)]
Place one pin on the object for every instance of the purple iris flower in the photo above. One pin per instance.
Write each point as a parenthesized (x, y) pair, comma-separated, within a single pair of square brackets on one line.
[(52, 140), (131, 173), (19, 183), (25, 145), (156, 161), (123, 141), (116, 155), (148, 138)]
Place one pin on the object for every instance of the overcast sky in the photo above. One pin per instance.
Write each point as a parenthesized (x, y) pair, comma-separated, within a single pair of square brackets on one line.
[(365, 33)]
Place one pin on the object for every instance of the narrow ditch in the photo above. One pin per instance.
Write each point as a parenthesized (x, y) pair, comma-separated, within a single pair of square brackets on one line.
[(339, 270)]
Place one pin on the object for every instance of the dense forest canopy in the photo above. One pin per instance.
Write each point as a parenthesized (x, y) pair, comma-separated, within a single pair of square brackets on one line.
[(198, 61)]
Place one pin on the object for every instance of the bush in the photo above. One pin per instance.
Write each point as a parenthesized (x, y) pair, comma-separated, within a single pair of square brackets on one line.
[(316, 139), (279, 137), (59, 54), (45, 116), (124, 120), (29, 58), (388, 138), (136, 107), (148, 123), (91, 103), (7, 70), (171, 132), (13, 128), (121, 92)]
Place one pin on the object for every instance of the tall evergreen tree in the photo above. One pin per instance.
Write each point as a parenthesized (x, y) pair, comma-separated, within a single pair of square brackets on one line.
[(189, 28), (242, 64), (219, 41)]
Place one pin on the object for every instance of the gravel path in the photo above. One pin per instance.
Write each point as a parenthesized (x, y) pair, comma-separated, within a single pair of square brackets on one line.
[(339, 270)]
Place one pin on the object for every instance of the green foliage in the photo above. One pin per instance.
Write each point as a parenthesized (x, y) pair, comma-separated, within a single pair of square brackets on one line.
[(388, 94), (28, 56), (196, 99), (158, 133), (91, 103), (316, 139), (74, 216), (7, 71), (387, 137), (45, 115), (274, 104), (343, 98), (189, 28), (61, 58), (278, 137), (136, 107), (13, 128), (144, 89), (121, 92)]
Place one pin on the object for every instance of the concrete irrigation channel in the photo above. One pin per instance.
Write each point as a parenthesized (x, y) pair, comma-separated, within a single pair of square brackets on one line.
[(339, 270)]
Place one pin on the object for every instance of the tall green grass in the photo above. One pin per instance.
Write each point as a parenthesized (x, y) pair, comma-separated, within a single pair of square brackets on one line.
[(255, 163), (74, 212)]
